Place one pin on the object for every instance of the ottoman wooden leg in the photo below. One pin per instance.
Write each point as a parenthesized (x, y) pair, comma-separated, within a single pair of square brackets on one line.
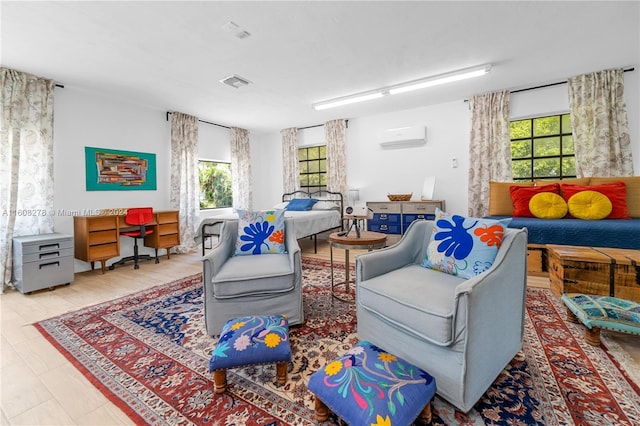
[(281, 372), (425, 415), (322, 411), (220, 379), (571, 317), (592, 336)]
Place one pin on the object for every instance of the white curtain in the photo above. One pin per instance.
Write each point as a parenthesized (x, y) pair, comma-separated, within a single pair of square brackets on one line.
[(335, 135), (241, 169), (290, 160), (489, 148), (600, 126), (26, 161), (185, 188)]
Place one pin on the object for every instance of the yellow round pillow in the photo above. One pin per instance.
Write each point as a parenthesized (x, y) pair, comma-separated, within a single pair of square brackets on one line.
[(547, 205), (590, 205)]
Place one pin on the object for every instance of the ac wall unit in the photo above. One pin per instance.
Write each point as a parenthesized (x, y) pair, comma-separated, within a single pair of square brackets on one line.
[(404, 137)]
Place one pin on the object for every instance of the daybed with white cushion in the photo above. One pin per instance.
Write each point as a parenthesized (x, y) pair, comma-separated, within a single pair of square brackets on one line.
[(324, 215)]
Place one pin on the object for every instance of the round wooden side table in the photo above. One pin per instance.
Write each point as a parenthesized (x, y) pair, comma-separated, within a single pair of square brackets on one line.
[(366, 241)]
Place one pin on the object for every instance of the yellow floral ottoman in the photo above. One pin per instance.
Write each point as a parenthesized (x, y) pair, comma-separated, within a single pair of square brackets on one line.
[(251, 340), (368, 386)]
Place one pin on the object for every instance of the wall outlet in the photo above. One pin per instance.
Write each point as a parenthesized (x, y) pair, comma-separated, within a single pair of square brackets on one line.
[(454, 163)]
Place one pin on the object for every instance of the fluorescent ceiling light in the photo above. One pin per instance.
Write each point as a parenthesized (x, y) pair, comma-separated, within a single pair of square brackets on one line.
[(440, 79), (405, 87), (347, 100)]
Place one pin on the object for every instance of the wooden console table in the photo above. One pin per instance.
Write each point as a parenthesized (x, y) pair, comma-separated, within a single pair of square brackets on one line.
[(97, 238)]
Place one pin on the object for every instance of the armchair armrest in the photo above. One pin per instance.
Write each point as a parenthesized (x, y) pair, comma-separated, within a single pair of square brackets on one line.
[(291, 243), (502, 287), (510, 265), (213, 261), (410, 249)]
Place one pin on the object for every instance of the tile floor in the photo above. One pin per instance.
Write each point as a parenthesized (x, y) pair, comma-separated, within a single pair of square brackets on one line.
[(38, 386)]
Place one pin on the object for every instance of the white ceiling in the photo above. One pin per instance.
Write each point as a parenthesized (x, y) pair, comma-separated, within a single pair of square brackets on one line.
[(170, 55)]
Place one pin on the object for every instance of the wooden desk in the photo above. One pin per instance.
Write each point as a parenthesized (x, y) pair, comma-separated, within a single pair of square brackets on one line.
[(97, 238)]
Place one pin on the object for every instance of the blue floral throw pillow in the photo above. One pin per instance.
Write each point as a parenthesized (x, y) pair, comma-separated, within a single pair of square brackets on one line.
[(260, 232), (463, 246)]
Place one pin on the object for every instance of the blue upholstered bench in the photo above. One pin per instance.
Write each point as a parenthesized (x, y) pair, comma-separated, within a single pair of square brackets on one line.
[(248, 341), (367, 385), (602, 312)]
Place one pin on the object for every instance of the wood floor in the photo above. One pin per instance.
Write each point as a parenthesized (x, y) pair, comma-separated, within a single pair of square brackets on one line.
[(38, 386)]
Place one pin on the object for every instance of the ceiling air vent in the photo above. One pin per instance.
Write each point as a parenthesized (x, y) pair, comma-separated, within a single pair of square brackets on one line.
[(235, 81)]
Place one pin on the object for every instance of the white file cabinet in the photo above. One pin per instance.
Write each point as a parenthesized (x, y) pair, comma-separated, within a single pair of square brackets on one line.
[(42, 261)]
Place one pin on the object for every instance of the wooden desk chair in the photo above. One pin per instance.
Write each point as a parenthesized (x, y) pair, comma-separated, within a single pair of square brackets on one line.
[(138, 216)]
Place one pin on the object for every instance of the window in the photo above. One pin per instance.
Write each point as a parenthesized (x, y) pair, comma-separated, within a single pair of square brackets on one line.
[(215, 184), (542, 148), (313, 167)]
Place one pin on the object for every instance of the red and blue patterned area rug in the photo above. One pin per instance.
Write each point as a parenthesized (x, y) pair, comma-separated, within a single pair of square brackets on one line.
[(149, 353)]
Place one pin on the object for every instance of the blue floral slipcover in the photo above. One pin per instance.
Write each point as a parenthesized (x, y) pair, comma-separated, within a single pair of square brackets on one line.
[(608, 313), (252, 340), (368, 386)]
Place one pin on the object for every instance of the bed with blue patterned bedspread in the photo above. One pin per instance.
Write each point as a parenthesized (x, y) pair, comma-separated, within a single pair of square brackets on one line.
[(615, 233)]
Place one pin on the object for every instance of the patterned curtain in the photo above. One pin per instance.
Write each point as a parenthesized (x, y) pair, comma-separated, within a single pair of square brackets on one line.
[(335, 134), (290, 164), (489, 148), (241, 169), (26, 161), (185, 188), (600, 126)]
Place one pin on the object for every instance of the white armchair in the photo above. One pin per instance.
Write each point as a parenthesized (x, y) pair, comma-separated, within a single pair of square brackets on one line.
[(461, 331), (236, 286)]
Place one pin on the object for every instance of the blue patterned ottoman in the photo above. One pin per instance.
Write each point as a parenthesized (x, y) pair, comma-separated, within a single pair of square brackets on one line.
[(602, 312), (248, 341), (368, 386)]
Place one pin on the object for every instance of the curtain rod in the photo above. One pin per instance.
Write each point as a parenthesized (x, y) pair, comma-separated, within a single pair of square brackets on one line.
[(321, 125), (557, 83), (310, 127), (206, 122)]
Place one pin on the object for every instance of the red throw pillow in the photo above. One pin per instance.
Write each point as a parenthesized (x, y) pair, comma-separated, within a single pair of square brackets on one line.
[(616, 192), (521, 195)]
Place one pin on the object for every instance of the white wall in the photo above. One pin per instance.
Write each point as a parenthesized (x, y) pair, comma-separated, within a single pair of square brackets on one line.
[(266, 169), (85, 119), (377, 172)]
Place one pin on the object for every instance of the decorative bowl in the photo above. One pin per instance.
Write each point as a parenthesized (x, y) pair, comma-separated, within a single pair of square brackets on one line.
[(399, 197)]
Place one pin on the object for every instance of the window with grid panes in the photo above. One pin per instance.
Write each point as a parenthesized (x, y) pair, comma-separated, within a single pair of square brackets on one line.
[(542, 148), (313, 167)]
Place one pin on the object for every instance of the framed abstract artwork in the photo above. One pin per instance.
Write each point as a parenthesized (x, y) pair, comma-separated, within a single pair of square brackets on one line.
[(115, 170)]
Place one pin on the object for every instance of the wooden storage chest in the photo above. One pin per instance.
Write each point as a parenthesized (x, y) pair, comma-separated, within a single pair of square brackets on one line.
[(536, 259), (594, 270)]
